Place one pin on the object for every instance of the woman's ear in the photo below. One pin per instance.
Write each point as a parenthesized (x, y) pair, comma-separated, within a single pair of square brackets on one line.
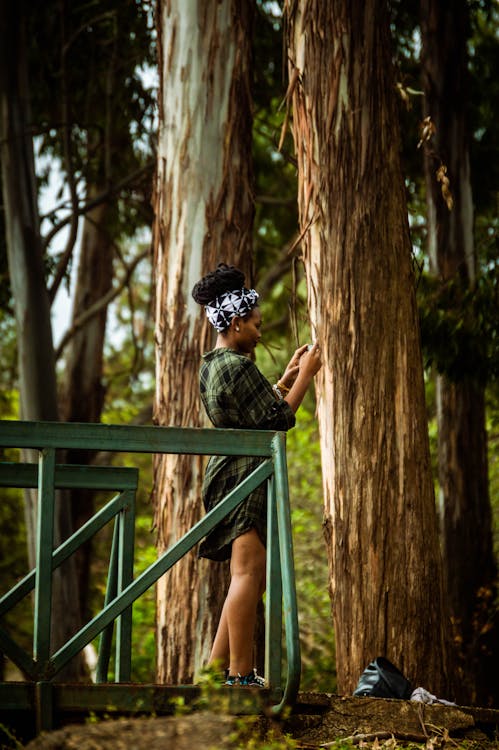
[(235, 323)]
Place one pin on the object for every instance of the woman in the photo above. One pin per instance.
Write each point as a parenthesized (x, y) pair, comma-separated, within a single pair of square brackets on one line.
[(235, 394)]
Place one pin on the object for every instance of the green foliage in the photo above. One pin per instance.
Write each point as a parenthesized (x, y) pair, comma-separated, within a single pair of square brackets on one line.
[(272, 740), (129, 354), (14, 563), (85, 75), (277, 272), (250, 734), (9, 394), (311, 565), (343, 744), (460, 326), (213, 695)]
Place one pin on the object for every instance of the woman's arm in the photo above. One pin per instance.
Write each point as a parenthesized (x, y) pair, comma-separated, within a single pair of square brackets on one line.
[(292, 369), (309, 364)]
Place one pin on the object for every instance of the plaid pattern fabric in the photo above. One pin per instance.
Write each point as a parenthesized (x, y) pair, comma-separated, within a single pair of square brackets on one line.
[(235, 394)]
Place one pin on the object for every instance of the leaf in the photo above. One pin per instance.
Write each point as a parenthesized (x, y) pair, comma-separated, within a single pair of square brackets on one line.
[(446, 193), (427, 130)]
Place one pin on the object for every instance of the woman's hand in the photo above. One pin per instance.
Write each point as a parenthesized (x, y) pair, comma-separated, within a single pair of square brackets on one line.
[(311, 362), (293, 367)]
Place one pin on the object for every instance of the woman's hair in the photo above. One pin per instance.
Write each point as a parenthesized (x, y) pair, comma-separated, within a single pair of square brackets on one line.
[(223, 279)]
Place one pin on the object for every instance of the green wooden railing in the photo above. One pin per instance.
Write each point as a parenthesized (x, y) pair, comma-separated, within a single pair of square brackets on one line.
[(42, 666)]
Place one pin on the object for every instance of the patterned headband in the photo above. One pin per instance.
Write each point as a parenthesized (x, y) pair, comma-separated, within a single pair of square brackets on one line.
[(229, 304)]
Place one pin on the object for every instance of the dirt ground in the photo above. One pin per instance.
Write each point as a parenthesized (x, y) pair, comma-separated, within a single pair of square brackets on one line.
[(318, 721)]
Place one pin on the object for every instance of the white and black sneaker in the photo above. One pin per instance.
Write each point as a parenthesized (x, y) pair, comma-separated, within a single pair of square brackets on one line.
[(249, 680)]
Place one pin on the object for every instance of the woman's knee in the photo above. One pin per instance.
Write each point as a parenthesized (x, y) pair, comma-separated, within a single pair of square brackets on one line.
[(248, 555)]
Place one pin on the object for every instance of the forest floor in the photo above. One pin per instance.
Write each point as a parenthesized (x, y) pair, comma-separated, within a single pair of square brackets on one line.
[(318, 721)]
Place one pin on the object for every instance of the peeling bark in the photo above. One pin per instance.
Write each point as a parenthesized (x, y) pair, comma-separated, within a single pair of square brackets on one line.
[(204, 213), (380, 519)]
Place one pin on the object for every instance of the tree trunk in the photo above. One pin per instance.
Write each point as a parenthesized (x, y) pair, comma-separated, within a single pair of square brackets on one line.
[(37, 376), (466, 517), (83, 388), (380, 519), (204, 214), (37, 386)]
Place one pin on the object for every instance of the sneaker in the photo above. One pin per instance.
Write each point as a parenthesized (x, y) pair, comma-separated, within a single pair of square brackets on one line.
[(249, 680)]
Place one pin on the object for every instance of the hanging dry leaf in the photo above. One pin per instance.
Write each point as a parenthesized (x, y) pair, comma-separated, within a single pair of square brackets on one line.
[(426, 130), (402, 91), (446, 193)]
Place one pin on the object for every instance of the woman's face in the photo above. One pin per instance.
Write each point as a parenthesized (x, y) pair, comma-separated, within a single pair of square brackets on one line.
[(249, 331)]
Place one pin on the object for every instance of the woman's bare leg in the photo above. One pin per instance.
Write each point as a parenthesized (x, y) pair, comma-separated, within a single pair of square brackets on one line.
[(247, 572), (220, 649)]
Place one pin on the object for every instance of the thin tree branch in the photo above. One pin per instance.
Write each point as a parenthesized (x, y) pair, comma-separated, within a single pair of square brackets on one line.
[(274, 201), (281, 267), (101, 198), (104, 301), (84, 27)]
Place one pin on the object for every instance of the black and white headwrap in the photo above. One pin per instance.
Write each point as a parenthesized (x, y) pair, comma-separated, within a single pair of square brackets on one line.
[(229, 304)]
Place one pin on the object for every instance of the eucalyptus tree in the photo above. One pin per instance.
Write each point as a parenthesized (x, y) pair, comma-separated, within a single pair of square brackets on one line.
[(466, 517), (380, 521), (203, 214)]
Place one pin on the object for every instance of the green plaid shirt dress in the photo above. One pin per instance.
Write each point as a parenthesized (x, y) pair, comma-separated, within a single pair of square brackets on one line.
[(235, 394)]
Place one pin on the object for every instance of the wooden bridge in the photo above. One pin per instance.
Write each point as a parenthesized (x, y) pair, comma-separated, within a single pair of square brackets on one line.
[(40, 702)]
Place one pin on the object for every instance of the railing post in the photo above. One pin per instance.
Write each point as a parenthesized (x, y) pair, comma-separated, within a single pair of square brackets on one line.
[(273, 597), (124, 590), (123, 666), (288, 574), (45, 543), (44, 706), (106, 636)]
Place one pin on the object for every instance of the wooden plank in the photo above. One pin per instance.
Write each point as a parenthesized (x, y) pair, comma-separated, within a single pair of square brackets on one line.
[(115, 698), (158, 699), (17, 696)]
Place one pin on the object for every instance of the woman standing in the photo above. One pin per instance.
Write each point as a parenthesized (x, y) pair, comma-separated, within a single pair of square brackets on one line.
[(236, 395)]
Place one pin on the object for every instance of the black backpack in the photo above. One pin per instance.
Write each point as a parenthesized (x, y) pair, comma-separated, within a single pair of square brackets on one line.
[(381, 679)]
